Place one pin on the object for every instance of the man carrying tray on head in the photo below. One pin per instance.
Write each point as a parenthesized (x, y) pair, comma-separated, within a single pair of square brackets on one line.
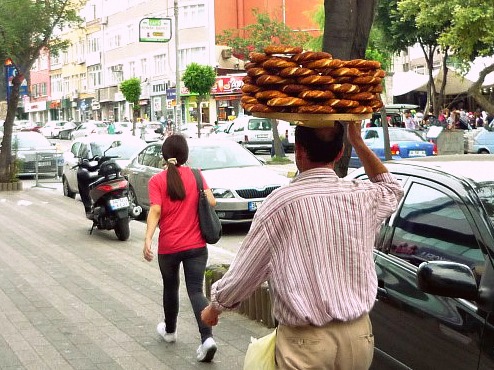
[(313, 240)]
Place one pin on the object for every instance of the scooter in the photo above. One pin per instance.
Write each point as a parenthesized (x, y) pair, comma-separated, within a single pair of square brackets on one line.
[(104, 193)]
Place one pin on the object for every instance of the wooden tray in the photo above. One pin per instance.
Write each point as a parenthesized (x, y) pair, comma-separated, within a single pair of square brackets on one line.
[(312, 119)]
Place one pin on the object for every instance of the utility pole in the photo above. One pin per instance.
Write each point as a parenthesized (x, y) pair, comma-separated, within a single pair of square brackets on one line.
[(178, 105)]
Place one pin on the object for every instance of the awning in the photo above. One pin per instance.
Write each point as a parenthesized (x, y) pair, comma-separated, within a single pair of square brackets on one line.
[(404, 82), (477, 66)]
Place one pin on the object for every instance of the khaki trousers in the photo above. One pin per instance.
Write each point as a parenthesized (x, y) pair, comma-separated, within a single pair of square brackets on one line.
[(335, 346)]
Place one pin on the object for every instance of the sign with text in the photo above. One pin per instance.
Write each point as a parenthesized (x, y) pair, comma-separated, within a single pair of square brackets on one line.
[(155, 30), (228, 85), (10, 73)]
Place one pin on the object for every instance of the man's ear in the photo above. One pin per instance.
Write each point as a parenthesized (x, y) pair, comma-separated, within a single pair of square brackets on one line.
[(340, 154)]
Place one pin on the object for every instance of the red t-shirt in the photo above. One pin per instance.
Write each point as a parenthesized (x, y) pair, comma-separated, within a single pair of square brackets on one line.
[(179, 221)]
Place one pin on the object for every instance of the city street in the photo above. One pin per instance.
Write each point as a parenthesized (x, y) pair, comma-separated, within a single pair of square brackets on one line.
[(73, 300)]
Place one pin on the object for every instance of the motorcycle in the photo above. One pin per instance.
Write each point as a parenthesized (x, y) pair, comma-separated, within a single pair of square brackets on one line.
[(104, 193)]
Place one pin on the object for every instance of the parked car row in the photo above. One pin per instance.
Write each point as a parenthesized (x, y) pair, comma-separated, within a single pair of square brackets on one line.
[(239, 180), (256, 133)]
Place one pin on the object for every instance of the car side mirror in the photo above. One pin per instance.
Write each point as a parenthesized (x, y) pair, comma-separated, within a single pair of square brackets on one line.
[(447, 279)]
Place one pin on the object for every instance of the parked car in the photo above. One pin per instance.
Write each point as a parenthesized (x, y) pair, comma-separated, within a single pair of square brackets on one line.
[(51, 129), (64, 133), (124, 147), (286, 130), (189, 130), (434, 265), (36, 155), (89, 128), (403, 143), (150, 131), (239, 181), (251, 132), (123, 127), (480, 141)]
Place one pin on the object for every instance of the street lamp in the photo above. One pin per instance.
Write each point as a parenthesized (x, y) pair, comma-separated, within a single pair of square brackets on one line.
[(178, 103)]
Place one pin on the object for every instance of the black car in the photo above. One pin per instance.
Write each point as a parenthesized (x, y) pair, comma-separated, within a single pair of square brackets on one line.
[(434, 259)]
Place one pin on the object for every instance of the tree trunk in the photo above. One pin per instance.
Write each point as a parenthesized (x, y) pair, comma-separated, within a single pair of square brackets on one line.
[(6, 159), (199, 117), (347, 27), (278, 146)]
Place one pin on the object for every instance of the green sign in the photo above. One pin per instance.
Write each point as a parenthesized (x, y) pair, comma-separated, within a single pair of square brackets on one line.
[(155, 30)]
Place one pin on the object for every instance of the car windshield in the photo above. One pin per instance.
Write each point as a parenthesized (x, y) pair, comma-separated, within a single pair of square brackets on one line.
[(214, 156), (259, 124), (126, 150), (30, 141), (404, 135)]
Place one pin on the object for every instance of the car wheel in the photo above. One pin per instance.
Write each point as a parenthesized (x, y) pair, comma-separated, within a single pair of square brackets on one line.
[(71, 137), (66, 189), (483, 151), (133, 203)]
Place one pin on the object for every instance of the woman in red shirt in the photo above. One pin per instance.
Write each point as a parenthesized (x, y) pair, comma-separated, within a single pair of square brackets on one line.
[(174, 199)]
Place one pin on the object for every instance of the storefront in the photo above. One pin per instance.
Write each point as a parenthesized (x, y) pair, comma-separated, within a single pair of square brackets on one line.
[(36, 111), (227, 92)]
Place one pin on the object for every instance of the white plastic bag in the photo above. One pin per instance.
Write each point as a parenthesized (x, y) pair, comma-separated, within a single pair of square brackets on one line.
[(261, 353)]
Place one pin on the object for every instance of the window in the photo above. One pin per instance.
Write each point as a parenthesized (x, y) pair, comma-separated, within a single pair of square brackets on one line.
[(187, 56), (432, 226), (160, 64), (152, 157), (94, 76), (192, 16)]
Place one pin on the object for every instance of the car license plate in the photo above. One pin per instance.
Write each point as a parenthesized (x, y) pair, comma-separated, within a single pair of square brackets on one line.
[(262, 136), (44, 164), (417, 153), (254, 205), (119, 203)]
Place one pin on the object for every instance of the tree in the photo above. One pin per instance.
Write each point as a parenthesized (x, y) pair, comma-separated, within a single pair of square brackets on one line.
[(131, 90), (256, 36), (199, 79), (467, 34), (26, 28), (347, 28)]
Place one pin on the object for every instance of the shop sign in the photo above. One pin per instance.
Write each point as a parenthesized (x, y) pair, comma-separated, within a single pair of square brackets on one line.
[(95, 105), (35, 106), (228, 85), (155, 30)]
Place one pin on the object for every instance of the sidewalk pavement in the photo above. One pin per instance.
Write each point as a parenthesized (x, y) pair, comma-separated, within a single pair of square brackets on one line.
[(70, 300)]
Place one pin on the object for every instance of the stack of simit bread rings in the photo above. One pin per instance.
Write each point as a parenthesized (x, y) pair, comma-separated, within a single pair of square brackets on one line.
[(286, 79)]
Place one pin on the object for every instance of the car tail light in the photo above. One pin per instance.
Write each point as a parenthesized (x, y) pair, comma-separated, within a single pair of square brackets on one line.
[(246, 138), (395, 149), (434, 149), (112, 186)]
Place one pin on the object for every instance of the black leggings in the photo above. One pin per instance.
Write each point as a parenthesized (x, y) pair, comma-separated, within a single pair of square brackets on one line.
[(194, 262)]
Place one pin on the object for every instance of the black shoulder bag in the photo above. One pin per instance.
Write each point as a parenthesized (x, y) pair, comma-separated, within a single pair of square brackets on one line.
[(208, 219)]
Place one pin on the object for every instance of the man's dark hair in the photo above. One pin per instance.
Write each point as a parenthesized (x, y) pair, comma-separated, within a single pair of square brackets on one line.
[(321, 144)]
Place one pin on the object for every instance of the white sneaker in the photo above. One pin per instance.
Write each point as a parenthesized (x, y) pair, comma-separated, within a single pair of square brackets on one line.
[(206, 351), (168, 337)]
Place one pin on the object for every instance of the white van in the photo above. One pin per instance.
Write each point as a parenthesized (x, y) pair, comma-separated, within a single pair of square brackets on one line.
[(251, 132)]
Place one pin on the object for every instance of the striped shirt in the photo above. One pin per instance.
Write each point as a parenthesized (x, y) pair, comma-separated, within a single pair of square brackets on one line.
[(313, 241)]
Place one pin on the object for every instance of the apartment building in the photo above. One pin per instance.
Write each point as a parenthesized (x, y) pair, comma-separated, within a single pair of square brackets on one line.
[(83, 82)]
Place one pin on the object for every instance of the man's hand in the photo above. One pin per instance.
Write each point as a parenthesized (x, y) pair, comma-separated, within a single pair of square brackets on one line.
[(210, 316)]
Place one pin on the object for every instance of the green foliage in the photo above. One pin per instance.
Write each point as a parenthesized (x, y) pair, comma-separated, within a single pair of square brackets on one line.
[(27, 27), (199, 79), (131, 90), (265, 31)]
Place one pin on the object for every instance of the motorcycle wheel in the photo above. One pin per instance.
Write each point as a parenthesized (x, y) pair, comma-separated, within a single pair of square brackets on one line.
[(122, 229)]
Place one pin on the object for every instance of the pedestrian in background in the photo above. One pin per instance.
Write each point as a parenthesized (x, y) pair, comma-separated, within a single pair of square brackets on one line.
[(410, 122), (174, 199), (111, 128), (313, 241)]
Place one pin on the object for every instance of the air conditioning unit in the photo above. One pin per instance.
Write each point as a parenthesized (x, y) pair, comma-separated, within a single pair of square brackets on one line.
[(226, 53)]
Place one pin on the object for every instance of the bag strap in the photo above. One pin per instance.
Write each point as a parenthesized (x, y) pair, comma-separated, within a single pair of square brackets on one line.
[(198, 177)]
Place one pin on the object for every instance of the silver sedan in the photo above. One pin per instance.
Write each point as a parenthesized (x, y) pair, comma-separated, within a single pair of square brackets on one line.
[(239, 180)]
